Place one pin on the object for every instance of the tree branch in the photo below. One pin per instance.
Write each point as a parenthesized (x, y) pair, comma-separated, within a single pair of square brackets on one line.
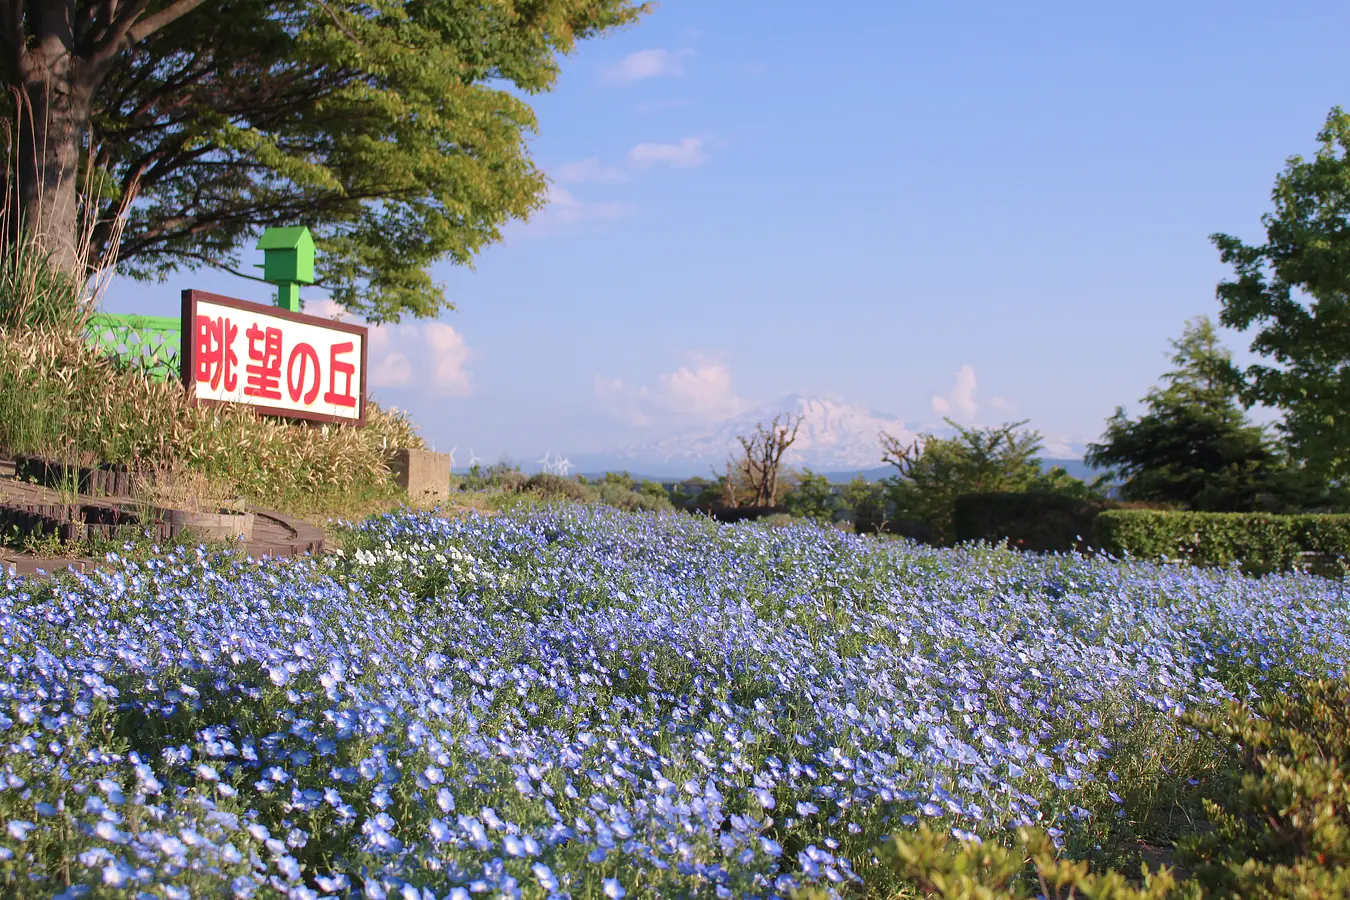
[(126, 31), (217, 264), (339, 23), (162, 19)]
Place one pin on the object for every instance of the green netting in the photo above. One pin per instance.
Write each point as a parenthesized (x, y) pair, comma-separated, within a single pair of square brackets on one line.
[(150, 343)]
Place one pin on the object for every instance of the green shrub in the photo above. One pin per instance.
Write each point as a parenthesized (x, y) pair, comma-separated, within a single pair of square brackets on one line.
[(657, 492), (1260, 542), (621, 495), (555, 487), (502, 475), (932, 472), (730, 514), (941, 867), (1281, 828), (783, 520), (864, 503), (36, 294), (810, 497), (615, 489)]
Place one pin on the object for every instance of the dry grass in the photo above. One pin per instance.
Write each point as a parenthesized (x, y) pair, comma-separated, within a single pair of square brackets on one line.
[(64, 400), (174, 485)]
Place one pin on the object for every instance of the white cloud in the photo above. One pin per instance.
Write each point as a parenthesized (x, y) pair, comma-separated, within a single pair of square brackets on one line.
[(688, 152), (452, 355), (393, 370), (959, 402), (564, 208), (646, 64), (621, 402), (588, 170), (701, 391), (325, 309), (704, 392), (398, 352)]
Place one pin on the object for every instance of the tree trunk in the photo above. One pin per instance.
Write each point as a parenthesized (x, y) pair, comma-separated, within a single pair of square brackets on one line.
[(51, 132)]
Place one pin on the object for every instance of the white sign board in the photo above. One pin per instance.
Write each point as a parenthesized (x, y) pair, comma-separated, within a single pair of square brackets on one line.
[(283, 363)]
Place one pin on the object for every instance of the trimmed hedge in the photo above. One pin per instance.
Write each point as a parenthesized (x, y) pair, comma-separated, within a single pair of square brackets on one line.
[(1260, 542), (728, 514), (1028, 520)]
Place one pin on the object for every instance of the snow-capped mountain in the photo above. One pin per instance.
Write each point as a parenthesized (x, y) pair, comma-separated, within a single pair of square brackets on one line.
[(833, 437)]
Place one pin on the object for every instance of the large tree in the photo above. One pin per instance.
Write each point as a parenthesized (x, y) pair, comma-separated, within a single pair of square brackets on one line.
[(1194, 448), (1295, 290), (394, 129)]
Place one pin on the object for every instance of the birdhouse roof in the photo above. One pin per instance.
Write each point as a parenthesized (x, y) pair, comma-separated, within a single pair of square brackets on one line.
[(292, 238)]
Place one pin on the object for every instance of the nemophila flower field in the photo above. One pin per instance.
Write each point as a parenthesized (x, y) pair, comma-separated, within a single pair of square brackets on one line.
[(585, 703)]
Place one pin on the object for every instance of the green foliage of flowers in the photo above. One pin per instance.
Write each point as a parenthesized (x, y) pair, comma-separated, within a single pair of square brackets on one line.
[(578, 702)]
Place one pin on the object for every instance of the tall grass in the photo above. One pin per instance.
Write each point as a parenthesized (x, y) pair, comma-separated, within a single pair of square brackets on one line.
[(34, 292), (63, 399)]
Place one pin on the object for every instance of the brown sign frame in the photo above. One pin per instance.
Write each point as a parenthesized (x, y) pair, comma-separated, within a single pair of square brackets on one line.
[(188, 362)]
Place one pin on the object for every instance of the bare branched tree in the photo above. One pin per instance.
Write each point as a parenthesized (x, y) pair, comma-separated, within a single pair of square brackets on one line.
[(729, 487), (899, 454), (763, 459)]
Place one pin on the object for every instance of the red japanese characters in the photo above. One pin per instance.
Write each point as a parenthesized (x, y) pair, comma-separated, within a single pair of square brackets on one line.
[(292, 364)]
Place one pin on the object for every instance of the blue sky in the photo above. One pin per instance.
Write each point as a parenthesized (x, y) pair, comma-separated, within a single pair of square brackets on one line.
[(755, 198)]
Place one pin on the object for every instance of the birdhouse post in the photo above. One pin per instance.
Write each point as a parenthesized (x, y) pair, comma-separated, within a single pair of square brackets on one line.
[(288, 262)]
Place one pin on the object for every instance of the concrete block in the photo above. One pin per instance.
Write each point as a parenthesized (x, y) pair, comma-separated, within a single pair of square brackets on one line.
[(423, 474)]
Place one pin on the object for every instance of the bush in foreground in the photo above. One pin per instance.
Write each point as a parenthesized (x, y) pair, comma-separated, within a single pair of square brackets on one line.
[(945, 869), (1281, 828), (62, 399)]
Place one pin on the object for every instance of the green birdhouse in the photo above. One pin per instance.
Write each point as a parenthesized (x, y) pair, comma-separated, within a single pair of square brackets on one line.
[(288, 262)]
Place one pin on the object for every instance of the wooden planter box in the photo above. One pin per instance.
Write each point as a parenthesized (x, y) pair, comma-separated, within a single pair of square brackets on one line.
[(222, 526), (106, 480), (73, 522), (83, 521)]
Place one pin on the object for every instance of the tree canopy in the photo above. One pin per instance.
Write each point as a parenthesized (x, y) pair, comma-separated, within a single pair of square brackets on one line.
[(1194, 448), (1295, 291), (394, 129)]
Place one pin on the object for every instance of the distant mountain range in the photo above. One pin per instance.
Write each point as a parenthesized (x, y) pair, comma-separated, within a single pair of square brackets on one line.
[(838, 439)]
